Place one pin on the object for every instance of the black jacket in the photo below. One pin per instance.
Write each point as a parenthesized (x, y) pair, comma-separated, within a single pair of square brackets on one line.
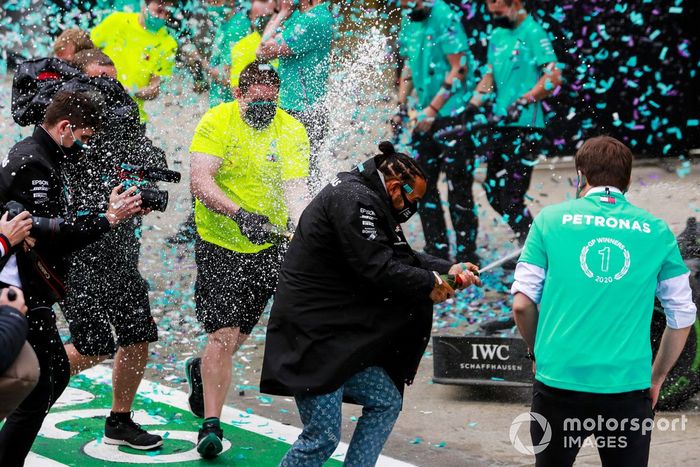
[(13, 335), (351, 294), (33, 175)]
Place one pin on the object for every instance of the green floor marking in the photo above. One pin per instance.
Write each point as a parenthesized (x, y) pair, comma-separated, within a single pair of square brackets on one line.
[(73, 430)]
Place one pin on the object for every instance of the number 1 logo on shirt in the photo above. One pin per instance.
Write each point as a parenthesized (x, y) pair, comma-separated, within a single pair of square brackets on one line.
[(611, 255)]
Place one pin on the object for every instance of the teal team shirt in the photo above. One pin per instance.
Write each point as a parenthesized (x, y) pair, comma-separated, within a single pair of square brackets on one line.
[(227, 34), (426, 44), (517, 57), (304, 74), (603, 259)]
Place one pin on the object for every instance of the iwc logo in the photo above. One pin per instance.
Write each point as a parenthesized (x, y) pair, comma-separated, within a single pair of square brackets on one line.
[(605, 260)]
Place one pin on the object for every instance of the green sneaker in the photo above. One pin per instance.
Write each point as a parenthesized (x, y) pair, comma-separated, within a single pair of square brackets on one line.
[(209, 441)]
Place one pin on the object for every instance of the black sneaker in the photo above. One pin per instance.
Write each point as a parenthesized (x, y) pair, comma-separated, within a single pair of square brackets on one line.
[(210, 440), (193, 373), (130, 434)]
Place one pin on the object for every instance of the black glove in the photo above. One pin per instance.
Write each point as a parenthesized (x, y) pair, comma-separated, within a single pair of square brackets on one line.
[(253, 226)]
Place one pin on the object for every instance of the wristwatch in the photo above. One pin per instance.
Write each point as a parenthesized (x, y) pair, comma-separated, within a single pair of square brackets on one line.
[(529, 355)]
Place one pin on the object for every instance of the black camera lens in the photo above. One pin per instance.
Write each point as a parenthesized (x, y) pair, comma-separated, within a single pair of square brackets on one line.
[(153, 198), (44, 227)]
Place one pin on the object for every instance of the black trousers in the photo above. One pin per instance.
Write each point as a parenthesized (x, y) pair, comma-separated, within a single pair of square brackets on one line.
[(455, 158), (22, 426), (601, 415), (510, 153)]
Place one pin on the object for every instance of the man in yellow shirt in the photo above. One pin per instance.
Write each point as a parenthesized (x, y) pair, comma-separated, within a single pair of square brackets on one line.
[(243, 51), (250, 161), (141, 48)]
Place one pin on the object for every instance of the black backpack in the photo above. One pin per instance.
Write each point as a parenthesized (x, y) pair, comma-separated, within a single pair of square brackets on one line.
[(37, 81), (34, 85)]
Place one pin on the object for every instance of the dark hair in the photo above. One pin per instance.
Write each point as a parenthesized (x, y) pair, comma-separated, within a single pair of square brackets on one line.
[(258, 72), (88, 57), (605, 161), (76, 107), (78, 37), (397, 165)]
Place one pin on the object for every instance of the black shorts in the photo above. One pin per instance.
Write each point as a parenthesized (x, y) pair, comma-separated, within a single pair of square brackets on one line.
[(233, 288), (99, 297)]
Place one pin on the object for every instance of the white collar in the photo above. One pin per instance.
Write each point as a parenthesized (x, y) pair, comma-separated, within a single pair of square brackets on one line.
[(603, 189)]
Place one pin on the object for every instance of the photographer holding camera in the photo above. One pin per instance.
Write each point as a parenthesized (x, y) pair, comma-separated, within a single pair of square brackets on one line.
[(104, 286), (33, 176)]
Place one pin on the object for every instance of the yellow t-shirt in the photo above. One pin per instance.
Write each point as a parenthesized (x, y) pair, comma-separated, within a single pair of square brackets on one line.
[(255, 165), (243, 54), (137, 53)]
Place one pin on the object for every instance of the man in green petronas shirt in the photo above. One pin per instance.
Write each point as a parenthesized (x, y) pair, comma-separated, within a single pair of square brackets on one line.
[(594, 265), (301, 38), (522, 70)]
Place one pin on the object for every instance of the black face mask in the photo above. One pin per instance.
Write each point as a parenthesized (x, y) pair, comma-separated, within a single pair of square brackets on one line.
[(259, 114), (419, 15), (503, 22), (408, 210), (261, 22)]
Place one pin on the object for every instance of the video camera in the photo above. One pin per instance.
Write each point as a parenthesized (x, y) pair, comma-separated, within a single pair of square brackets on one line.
[(139, 175), (42, 227)]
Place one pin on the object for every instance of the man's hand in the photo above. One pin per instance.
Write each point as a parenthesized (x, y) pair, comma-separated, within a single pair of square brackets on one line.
[(252, 226), (18, 228), (459, 268), (467, 279), (425, 120), (468, 274), (515, 110), (12, 296), (29, 243), (441, 291), (122, 205)]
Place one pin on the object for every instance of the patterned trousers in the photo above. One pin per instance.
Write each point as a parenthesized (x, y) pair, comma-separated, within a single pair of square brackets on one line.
[(321, 415)]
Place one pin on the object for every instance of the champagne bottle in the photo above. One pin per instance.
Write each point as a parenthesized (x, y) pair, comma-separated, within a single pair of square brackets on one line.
[(279, 234), (453, 280)]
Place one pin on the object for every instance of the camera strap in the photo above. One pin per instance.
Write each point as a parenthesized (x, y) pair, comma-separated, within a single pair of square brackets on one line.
[(43, 271)]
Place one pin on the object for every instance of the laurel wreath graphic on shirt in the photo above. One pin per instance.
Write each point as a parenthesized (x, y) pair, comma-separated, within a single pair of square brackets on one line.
[(607, 241)]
